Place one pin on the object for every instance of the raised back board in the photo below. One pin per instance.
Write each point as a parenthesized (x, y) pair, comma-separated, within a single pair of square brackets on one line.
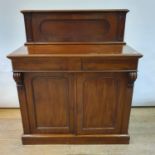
[(100, 26)]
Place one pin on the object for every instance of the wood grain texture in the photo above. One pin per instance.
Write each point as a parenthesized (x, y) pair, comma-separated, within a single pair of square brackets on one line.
[(51, 102), (19, 79), (72, 139), (100, 101), (75, 50), (75, 26), (110, 57), (75, 77)]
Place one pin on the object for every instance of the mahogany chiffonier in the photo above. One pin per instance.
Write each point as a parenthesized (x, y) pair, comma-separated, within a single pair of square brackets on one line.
[(75, 77)]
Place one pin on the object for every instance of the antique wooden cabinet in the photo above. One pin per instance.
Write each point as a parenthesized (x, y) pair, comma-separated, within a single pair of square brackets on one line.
[(75, 77)]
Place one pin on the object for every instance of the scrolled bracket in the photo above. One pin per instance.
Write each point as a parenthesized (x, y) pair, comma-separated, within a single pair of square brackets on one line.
[(132, 77), (18, 77)]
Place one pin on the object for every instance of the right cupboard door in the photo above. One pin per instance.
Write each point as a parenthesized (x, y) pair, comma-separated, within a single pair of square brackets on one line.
[(100, 101)]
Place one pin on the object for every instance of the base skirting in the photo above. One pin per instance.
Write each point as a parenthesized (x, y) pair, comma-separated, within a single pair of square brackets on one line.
[(74, 139)]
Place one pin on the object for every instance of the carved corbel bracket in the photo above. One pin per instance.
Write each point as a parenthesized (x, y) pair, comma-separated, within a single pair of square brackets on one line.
[(132, 78), (18, 77)]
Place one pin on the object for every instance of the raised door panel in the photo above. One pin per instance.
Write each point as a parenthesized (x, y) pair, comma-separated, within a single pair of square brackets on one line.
[(50, 101), (100, 101)]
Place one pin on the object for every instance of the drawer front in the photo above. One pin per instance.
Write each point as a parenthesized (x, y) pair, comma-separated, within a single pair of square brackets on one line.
[(73, 64), (109, 64), (46, 64)]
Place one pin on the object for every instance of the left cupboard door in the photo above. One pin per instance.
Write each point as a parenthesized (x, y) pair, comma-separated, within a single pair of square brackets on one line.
[(50, 98)]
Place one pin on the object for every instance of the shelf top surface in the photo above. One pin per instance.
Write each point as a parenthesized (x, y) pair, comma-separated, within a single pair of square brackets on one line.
[(79, 10), (72, 50)]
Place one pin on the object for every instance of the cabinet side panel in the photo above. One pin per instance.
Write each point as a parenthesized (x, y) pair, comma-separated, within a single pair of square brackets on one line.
[(19, 79), (28, 26), (130, 79)]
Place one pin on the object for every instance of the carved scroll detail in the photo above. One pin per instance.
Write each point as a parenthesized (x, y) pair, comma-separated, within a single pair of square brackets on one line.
[(18, 77), (132, 78)]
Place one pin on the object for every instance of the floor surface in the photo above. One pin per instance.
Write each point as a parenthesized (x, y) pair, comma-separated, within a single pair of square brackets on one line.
[(142, 132)]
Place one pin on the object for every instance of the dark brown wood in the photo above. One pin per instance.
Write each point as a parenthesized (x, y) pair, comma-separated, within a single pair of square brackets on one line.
[(51, 98), (110, 57), (28, 27), (75, 88), (75, 139), (130, 78), (75, 50), (100, 102), (19, 79), (75, 26)]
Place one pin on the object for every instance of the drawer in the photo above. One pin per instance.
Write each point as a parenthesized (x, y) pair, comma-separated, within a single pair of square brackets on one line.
[(109, 64), (46, 64)]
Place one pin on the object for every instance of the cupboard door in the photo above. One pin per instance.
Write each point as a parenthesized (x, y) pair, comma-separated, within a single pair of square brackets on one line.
[(50, 102), (100, 100)]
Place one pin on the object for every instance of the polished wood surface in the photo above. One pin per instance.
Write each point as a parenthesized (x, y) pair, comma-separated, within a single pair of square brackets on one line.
[(75, 50), (50, 97), (75, 26), (110, 57), (75, 90), (100, 99)]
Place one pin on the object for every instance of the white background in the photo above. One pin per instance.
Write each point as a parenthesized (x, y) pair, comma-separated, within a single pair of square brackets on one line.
[(140, 34)]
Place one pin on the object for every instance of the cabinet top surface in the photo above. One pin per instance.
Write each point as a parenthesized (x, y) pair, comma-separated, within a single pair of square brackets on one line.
[(72, 50)]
